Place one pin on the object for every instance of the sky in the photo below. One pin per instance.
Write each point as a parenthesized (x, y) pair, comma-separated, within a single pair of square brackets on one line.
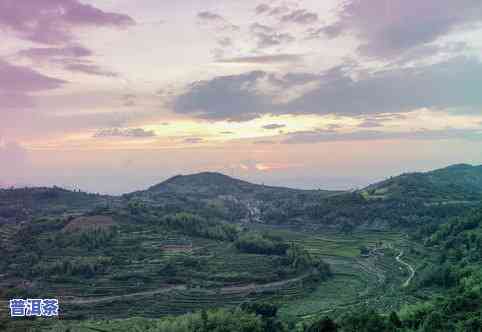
[(113, 96)]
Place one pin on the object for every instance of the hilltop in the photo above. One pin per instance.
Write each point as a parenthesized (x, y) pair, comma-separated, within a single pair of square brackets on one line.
[(398, 201), (456, 183), (207, 240), (21, 204), (210, 184)]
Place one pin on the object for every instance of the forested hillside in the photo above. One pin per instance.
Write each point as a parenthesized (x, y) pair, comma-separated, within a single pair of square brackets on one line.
[(210, 253)]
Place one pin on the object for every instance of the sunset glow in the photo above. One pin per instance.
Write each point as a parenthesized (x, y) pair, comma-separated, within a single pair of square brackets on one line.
[(287, 92)]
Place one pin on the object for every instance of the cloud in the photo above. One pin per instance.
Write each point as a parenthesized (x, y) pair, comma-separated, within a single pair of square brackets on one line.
[(256, 28), (267, 36), (274, 39), (226, 97), (225, 42), (452, 84), (449, 84), (263, 8), (318, 136), (17, 83), (193, 140), (370, 124), (274, 126), (423, 52), (89, 69), (388, 28), (23, 79), (209, 16), (263, 59), (266, 167), (124, 133), (330, 31), (129, 100), (52, 21), (278, 10), (300, 16), (218, 21), (264, 142), (49, 52), (71, 58)]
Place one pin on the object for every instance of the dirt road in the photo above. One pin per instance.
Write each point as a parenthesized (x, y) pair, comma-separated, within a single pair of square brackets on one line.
[(410, 268)]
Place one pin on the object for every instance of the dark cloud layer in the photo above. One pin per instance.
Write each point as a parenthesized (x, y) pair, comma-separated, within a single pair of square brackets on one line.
[(49, 52), (273, 126), (453, 84), (124, 133), (300, 16), (274, 39), (89, 69), (263, 59), (387, 28), (17, 83), (52, 21), (318, 136), (227, 97), (218, 21), (193, 140)]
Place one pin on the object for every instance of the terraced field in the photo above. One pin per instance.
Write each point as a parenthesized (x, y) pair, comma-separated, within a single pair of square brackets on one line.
[(376, 279), (212, 273), (206, 273)]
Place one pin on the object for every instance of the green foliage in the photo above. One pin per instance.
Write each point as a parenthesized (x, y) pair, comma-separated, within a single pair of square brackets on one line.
[(323, 325), (83, 267), (263, 309), (261, 244), (91, 239), (459, 307), (364, 321), (205, 321), (191, 224)]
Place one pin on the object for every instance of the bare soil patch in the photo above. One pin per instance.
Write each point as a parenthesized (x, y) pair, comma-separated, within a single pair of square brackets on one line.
[(83, 224)]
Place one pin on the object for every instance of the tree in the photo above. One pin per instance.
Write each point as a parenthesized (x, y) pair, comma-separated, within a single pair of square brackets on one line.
[(324, 325)]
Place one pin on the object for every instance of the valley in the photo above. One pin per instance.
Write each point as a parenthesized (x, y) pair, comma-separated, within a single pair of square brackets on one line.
[(205, 243)]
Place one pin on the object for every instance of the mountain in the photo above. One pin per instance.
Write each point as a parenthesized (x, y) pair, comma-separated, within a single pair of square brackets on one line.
[(215, 194), (211, 184), (456, 183), (20, 204), (398, 201)]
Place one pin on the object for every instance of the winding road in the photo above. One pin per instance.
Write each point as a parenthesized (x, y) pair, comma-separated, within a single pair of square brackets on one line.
[(410, 268), (251, 288)]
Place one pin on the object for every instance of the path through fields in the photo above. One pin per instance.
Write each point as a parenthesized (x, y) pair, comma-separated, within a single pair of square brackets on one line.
[(410, 268), (255, 288)]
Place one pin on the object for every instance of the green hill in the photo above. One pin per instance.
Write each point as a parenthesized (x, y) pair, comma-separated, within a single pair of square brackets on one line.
[(22, 204), (211, 185), (215, 194), (457, 183), (208, 241)]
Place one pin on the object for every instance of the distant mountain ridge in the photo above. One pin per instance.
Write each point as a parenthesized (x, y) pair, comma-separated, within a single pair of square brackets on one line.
[(460, 182), (214, 195), (221, 184)]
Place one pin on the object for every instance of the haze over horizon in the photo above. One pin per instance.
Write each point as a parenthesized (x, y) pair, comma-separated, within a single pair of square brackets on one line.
[(115, 96)]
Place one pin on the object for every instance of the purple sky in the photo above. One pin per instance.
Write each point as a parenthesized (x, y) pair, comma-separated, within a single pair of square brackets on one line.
[(115, 95)]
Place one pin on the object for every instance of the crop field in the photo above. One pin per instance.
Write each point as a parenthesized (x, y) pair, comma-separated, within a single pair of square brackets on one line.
[(152, 273), (210, 273), (375, 280)]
